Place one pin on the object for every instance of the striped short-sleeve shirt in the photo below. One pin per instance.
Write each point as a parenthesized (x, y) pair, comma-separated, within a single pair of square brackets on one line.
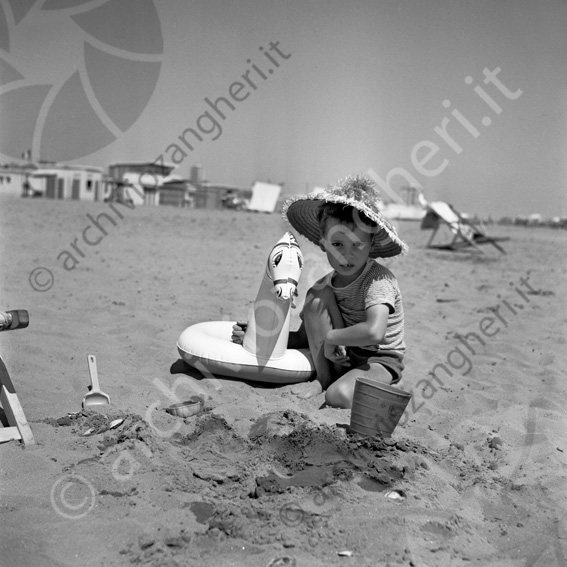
[(376, 285)]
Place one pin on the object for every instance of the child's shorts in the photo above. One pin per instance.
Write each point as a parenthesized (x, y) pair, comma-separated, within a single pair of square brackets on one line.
[(391, 360)]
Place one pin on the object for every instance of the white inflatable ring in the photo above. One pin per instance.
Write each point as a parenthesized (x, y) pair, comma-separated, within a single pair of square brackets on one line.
[(263, 355), (207, 346)]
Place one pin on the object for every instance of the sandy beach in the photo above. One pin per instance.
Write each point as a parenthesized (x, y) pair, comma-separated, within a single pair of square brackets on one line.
[(260, 477)]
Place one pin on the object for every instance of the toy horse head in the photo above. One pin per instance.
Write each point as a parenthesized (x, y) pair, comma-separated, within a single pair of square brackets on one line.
[(284, 266)]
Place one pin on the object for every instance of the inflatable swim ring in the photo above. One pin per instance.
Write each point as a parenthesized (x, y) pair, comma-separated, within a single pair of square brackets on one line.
[(264, 355)]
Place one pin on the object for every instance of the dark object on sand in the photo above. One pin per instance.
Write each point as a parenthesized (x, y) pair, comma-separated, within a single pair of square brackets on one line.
[(193, 406), (12, 320)]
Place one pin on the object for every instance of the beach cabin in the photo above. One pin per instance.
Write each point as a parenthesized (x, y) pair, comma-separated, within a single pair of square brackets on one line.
[(11, 182), (75, 182), (145, 179), (177, 192), (213, 195), (407, 207), (16, 180)]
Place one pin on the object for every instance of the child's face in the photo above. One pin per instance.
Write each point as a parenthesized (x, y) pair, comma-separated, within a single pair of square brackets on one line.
[(347, 248)]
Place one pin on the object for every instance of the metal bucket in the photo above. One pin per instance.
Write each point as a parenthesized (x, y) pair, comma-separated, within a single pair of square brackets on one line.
[(376, 407)]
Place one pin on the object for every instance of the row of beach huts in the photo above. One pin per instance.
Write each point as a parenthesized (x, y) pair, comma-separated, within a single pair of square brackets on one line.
[(139, 183), (144, 183)]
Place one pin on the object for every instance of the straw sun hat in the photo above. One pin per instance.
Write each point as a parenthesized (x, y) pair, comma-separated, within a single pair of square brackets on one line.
[(357, 191)]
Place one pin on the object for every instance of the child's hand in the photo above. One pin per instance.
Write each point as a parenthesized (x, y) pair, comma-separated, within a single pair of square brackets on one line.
[(336, 354), (238, 331)]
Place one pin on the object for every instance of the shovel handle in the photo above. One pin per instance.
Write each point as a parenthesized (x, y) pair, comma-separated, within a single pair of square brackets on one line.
[(91, 358)]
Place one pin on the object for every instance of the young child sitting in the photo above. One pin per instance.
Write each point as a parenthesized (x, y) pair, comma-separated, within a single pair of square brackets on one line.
[(352, 319)]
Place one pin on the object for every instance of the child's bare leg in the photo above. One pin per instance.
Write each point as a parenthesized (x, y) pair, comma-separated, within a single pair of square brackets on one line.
[(320, 314), (340, 393)]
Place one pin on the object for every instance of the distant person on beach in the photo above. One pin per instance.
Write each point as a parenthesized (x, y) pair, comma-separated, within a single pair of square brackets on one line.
[(353, 318)]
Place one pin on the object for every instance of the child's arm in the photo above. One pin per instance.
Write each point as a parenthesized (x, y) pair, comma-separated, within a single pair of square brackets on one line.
[(371, 331)]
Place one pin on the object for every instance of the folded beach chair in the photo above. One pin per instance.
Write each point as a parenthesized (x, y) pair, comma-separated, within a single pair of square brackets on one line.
[(13, 423), (466, 233)]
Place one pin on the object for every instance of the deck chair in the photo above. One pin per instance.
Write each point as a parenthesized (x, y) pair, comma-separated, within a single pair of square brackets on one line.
[(466, 234), (13, 423)]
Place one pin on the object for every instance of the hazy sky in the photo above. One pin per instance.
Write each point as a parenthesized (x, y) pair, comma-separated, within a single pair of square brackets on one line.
[(356, 84)]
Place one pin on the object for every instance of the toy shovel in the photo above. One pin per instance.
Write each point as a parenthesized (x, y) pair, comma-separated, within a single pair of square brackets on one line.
[(95, 397)]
